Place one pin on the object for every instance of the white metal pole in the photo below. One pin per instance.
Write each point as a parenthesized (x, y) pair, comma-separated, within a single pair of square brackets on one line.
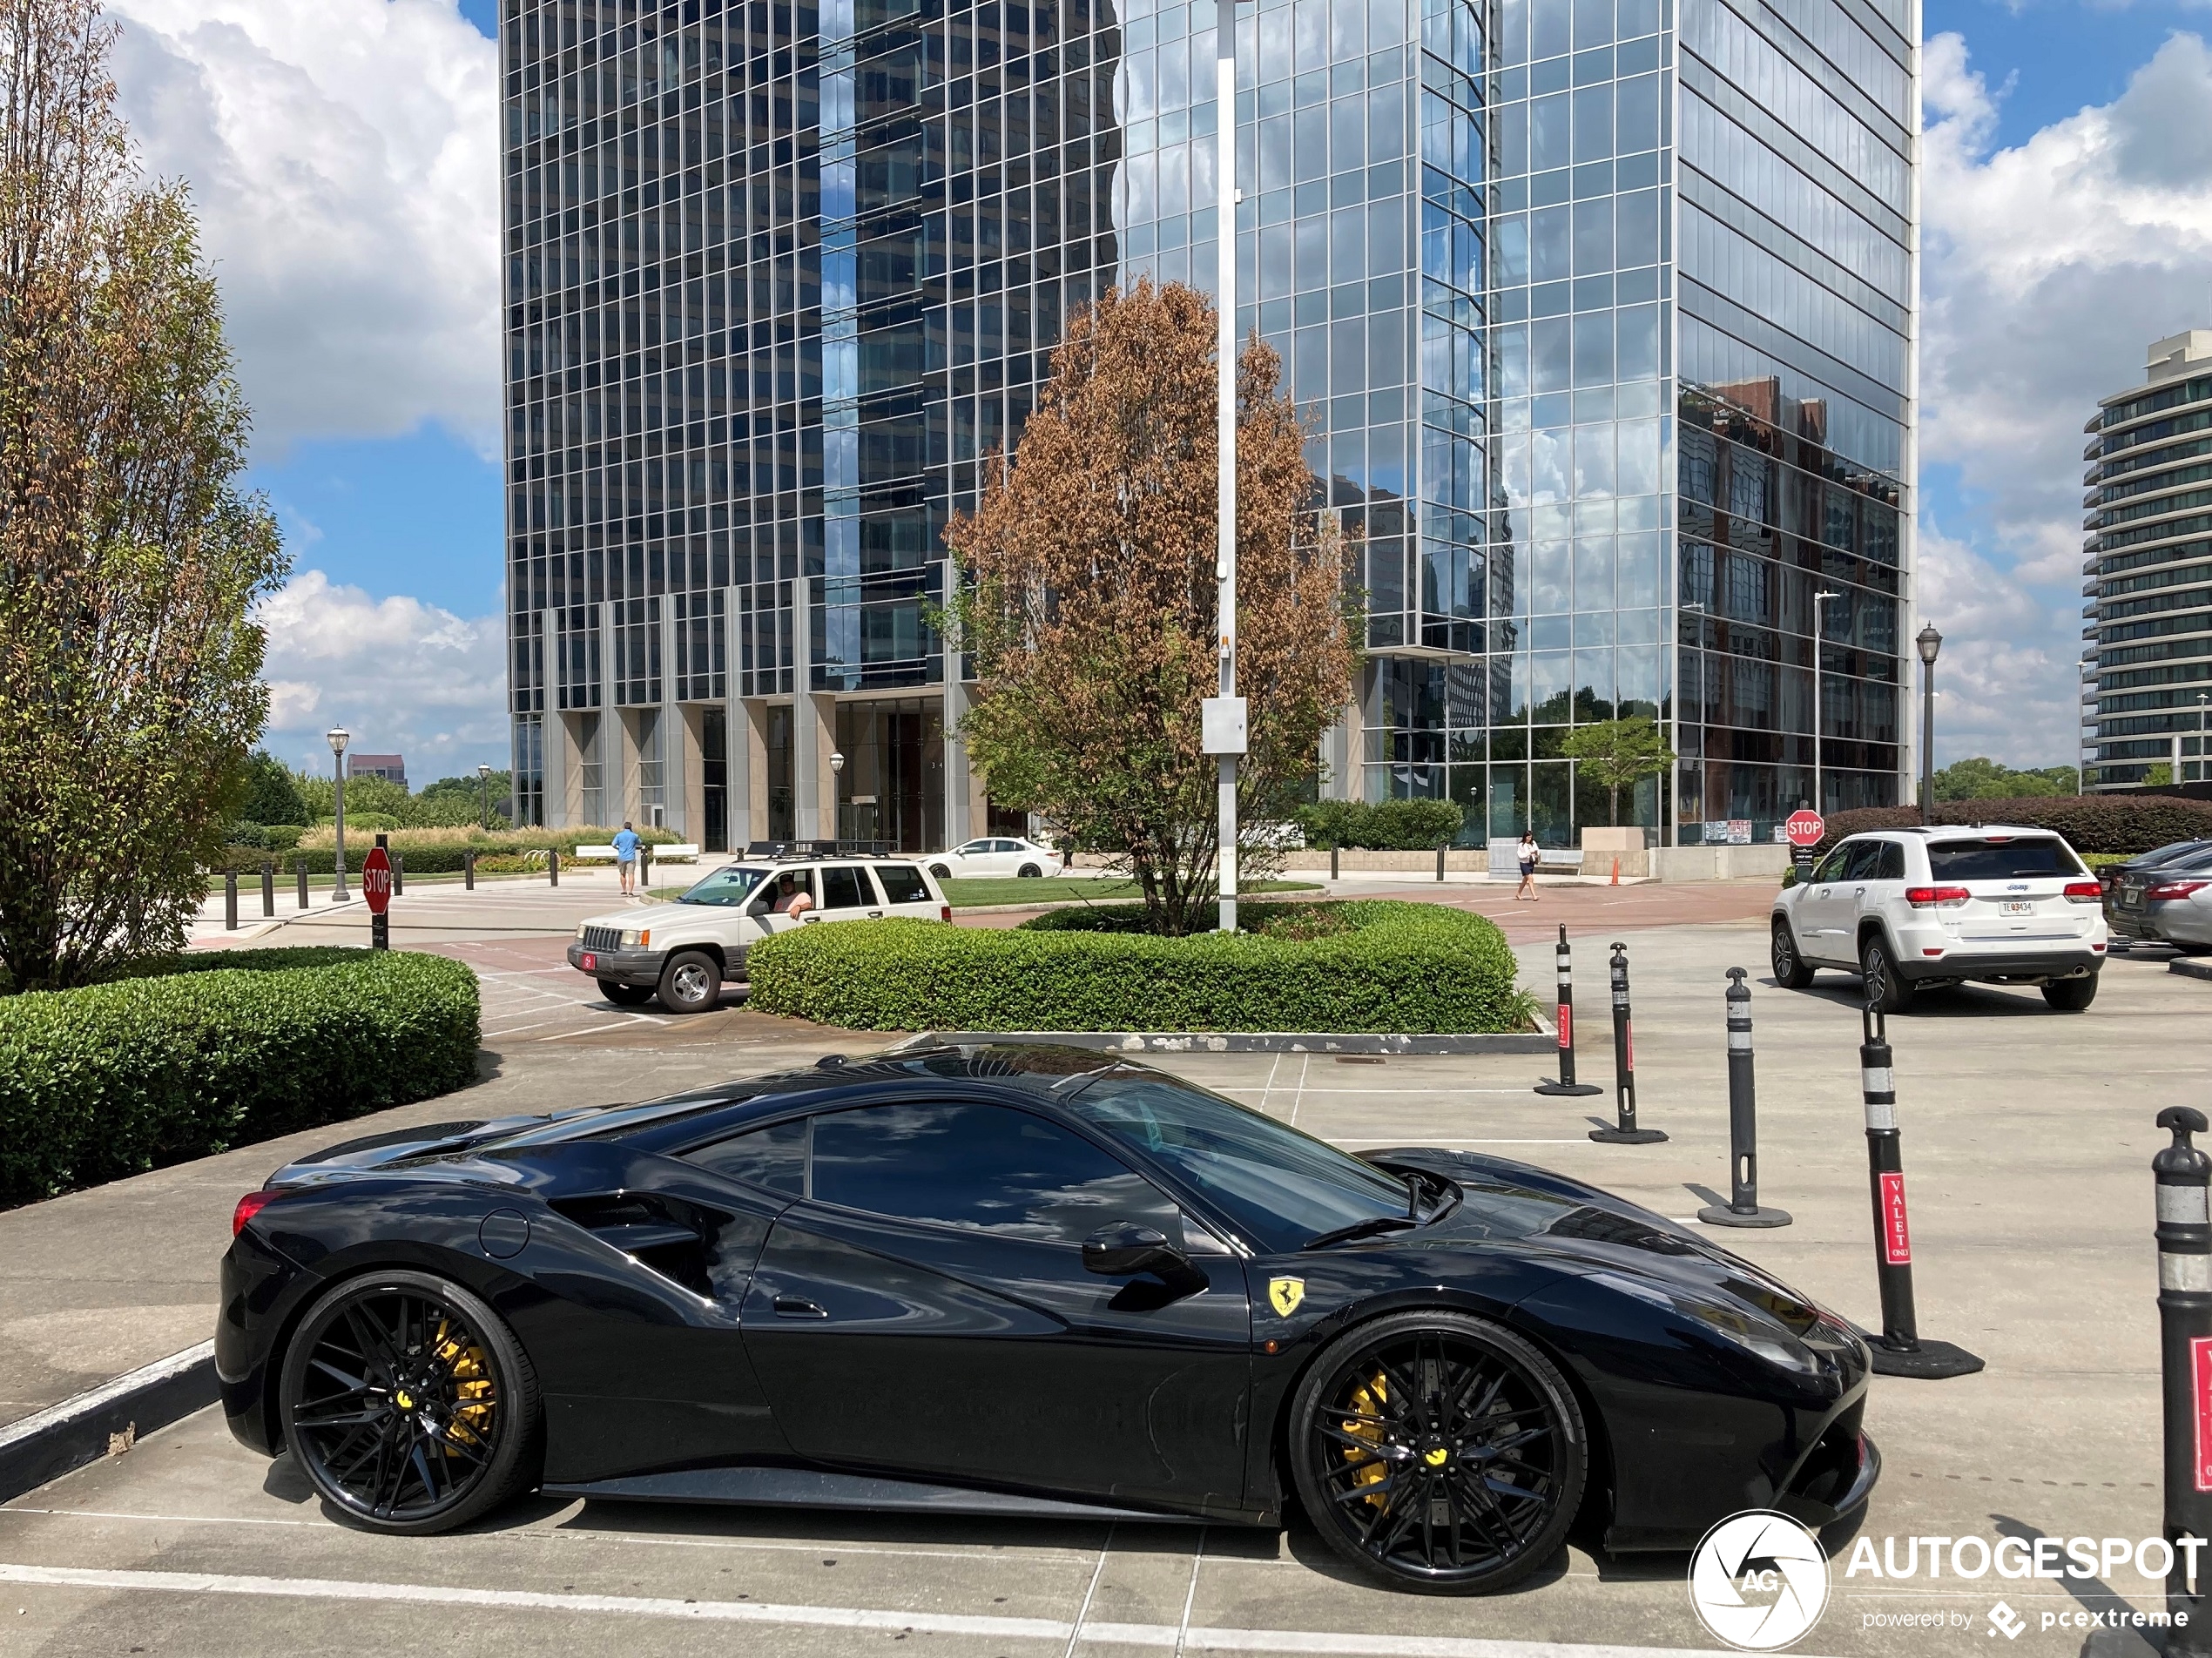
[(1225, 298)]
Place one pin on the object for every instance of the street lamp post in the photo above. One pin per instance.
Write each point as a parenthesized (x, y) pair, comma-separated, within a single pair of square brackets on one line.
[(1819, 795), (1929, 642), (836, 806), (1225, 418), (483, 794), (338, 736)]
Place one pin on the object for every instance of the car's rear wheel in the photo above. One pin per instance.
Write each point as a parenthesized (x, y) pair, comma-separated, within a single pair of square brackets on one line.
[(624, 995), (1028, 872), (408, 1404), (1790, 971), (1885, 986), (2071, 995), (1438, 1452), (691, 983)]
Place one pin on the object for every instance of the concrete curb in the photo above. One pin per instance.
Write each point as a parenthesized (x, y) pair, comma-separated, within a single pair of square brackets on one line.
[(49, 1443), (1251, 1042), (2189, 969)]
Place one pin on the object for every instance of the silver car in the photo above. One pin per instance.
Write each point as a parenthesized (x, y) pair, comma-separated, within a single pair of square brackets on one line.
[(2172, 902)]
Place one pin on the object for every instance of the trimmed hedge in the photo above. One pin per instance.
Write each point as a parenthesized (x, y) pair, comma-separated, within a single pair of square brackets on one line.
[(1380, 825), (2101, 823), (1377, 964), (196, 1054), (437, 852)]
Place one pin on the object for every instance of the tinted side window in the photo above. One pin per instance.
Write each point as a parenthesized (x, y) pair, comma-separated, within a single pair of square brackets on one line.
[(1832, 867), (1866, 856), (774, 1157), (845, 888), (988, 1167), (1889, 864), (902, 883)]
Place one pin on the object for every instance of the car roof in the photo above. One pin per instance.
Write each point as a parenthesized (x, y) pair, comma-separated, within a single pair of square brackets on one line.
[(1956, 832)]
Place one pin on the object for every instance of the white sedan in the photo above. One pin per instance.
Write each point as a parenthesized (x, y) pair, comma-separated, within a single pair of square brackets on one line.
[(996, 855)]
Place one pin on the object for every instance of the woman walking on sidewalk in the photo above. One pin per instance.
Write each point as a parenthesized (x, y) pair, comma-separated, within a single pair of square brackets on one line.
[(1530, 856)]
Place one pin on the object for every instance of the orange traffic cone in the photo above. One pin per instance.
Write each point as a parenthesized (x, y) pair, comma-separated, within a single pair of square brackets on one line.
[(1616, 870)]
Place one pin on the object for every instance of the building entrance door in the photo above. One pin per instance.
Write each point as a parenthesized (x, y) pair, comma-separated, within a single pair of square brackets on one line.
[(892, 792)]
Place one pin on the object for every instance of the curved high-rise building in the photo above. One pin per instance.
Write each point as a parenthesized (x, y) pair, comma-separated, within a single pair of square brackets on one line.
[(1600, 314)]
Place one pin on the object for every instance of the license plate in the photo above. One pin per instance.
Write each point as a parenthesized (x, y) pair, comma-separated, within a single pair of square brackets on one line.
[(590, 963), (2131, 898), (2020, 907)]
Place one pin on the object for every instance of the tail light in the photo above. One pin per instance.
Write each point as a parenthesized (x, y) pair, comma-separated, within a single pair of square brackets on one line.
[(944, 912), (248, 1206), (2086, 892), (1938, 897), (2175, 889)]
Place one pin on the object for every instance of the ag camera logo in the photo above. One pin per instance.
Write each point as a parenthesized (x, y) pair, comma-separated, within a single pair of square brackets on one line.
[(1759, 1580)]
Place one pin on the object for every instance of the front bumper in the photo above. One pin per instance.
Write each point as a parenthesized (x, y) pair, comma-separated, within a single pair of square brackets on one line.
[(640, 967), (2006, 967)]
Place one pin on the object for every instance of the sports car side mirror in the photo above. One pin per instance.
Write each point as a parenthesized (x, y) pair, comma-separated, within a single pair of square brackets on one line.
[(1124, 1251)]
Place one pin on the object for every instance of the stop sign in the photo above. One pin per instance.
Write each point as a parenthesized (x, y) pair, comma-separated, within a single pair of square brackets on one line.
[(1804, 828), (376, 880)]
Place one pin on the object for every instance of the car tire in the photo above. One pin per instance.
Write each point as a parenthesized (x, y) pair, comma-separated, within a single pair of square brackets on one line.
[(2071, 995), (1791, 970), (1352, 1427), (624, 995), (1028, 872), (1885, 986), (691, 983), (465, 1380), (941, 872)]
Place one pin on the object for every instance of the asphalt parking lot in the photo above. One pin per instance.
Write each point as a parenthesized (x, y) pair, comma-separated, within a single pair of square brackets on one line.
[(2027, 1137)]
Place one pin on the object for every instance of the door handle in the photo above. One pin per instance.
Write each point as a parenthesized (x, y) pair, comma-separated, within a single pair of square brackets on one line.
[(875, 915), (808, 920), (799, 1307), (1858, 892)]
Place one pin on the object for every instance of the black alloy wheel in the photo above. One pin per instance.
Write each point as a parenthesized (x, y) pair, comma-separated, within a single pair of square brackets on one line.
[(2071, 995), (408, 1404), (1791, 970), (691, 983), (1885, 986), (624, 995), (1028, 872), (1438, 1452), (941, 872)]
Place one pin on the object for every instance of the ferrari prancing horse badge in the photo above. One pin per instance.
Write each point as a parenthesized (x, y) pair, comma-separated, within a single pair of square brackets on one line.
[(1285, 1294)]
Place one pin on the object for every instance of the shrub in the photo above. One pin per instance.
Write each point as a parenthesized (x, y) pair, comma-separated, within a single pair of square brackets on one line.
[(196, 1054), (2100, 823), (437, 852), (1391, 967), (1384, 825), (263, 836)]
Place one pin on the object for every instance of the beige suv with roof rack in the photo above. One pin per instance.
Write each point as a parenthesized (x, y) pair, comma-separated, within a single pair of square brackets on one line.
[(685, 951), (1911, 909)]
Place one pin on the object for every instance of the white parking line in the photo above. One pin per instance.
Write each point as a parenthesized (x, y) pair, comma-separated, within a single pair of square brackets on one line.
[(998, 1628)]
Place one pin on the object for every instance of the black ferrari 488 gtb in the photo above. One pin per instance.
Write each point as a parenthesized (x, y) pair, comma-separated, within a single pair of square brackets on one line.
[(1023, 1281)]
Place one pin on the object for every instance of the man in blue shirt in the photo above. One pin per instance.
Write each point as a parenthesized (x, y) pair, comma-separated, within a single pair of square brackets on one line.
[(626, 844)]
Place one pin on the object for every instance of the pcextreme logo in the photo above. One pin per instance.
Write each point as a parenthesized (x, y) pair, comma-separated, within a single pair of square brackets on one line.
[(1759, 1580)]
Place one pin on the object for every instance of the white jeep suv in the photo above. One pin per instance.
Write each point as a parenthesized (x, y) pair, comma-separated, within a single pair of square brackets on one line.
[(1909, 909), (684, 952)]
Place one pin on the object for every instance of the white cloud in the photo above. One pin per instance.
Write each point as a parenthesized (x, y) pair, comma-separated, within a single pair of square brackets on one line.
[(343, 155), (2049, 267), (401, 675)]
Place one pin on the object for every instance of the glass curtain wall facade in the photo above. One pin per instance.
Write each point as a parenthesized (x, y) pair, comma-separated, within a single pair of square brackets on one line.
[(1599, 315), (2147, 633)]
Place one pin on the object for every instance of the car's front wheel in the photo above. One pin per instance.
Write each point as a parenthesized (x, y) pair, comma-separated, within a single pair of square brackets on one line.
[(408, 1404), (624, 995), (1885, 986), (2071, 995), (1438, 1452), (941, 872), (1791, 970), (691, 983)]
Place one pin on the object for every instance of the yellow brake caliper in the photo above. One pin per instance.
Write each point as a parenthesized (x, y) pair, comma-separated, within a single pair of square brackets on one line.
[(471, 1376), (1369, 1398)]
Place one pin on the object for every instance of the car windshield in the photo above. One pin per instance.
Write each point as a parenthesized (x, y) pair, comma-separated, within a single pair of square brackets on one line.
[(727, 886), (2001, 858), (1278, 1187)]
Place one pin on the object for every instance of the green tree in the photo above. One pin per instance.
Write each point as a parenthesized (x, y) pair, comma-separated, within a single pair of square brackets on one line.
[(130, 560), (271, 795), (1982, 778), (2159, 776), (1618, 754), (464, 799), (1089, 604)]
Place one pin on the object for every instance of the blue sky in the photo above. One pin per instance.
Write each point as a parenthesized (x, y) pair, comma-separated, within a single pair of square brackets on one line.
[(344, 158)]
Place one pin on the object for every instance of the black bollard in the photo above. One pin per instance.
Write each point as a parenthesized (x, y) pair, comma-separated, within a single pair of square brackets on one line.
[(399, 871), (1899, 1349), (268, 888), (467, 871), (645, 870), (1742, 1206), (2185, 1355), (1564, 1082), (553, 866), (230, 900), (1333, 874), (1439, 863), (1625, 1133), (299, 868)]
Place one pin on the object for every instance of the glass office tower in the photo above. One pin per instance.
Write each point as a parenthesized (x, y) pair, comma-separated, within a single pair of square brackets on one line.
[(1600, 316)]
